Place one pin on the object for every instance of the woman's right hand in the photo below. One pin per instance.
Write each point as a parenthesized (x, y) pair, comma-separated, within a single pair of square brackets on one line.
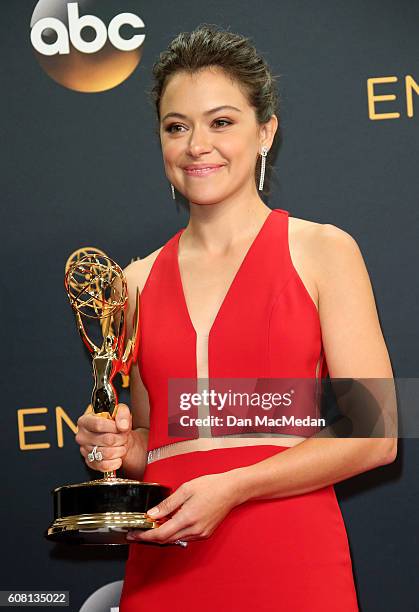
[(114, 438)]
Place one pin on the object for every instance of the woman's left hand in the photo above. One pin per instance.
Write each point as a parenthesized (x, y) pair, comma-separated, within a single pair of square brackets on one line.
[(199, 505)]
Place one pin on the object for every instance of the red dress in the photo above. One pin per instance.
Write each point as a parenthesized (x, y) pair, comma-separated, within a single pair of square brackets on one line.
[(288, 554)]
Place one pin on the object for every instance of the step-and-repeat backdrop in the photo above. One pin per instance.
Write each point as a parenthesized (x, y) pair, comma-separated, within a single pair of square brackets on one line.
[(81, 167)]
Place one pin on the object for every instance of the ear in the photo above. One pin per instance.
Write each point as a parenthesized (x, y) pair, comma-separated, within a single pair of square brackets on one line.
[(268, 131)]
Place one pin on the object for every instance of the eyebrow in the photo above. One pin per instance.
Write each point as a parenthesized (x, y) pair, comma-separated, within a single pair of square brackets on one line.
[(208, 112)]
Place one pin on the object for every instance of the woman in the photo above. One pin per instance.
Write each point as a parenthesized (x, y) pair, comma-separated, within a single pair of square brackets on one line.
[(242, 291)]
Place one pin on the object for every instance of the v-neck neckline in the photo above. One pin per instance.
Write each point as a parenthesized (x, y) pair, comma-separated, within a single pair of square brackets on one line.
[(231, 286)]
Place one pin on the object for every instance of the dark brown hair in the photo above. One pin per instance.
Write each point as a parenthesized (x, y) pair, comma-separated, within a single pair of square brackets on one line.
[(207, 46)]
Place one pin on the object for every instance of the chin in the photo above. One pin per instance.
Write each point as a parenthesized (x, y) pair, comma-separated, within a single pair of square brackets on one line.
[(202, 197), (210, 201)]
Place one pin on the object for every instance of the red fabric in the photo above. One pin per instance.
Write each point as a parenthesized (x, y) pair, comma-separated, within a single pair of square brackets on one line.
[(285, 554), (267, 326)]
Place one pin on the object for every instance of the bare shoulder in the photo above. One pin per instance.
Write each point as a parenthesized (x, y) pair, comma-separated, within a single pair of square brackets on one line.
[(325, 251), (333, 237), (319, 235), (137, 271), (337, 249), (303, 237)]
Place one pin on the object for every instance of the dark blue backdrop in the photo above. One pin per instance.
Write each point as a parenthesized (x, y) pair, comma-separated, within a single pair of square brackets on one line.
[(85, 170)]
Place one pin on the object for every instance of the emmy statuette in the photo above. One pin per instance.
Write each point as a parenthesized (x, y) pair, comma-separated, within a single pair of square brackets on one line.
[(102, 511)]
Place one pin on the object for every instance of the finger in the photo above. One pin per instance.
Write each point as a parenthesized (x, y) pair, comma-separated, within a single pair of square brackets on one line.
[(123, 419), (92, 422), (169, 504), (160, 534), (108, 453), (86, 438), (109, 466), (105, 466), (184, 534)]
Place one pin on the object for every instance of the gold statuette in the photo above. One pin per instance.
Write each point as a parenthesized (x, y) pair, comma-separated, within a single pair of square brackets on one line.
[(102, 511)]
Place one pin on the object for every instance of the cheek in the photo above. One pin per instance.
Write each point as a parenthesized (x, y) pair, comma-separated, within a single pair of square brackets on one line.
[(171, 150), (237, 150)]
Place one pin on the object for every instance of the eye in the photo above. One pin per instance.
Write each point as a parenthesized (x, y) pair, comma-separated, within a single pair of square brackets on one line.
[(173, 125), (226, 121), (173, 128)]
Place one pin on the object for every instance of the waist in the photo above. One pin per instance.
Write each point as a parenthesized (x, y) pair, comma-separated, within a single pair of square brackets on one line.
[(198, 444)]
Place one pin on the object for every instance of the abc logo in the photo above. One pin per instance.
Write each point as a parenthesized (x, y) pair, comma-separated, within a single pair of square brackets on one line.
[(86, 52)]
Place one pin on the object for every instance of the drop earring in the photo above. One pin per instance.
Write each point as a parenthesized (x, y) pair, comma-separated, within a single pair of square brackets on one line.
[(263, 153), (173, 191)]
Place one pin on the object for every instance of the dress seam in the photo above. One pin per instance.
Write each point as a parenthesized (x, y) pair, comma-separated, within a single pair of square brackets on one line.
[(274, 302)]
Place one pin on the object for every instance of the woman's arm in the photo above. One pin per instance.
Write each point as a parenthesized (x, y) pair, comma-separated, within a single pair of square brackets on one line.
[(354, 348)]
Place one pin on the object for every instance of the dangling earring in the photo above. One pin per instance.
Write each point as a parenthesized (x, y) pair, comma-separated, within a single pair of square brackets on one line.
[(263, 153), (173, 191)]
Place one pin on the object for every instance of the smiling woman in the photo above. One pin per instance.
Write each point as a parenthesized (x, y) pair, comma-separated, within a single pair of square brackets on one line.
[(220, 142), (249, 103), (242, 292)]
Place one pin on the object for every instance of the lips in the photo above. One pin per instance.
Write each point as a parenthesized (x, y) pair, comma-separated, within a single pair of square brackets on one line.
[(202, 170)]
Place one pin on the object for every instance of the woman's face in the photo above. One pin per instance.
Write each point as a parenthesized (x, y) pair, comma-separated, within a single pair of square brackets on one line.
[(207, 122)]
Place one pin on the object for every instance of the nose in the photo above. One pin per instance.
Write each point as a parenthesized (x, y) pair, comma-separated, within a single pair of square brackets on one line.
[(198, 143)]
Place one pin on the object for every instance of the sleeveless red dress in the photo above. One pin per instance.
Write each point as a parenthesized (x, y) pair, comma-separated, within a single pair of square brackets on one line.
[(288, 554)]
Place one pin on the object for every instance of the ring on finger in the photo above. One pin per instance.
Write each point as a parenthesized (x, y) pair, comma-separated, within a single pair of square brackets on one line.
[(94, 455)]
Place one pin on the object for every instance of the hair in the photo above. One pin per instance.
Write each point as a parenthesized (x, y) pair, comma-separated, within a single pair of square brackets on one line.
[(209, 46)]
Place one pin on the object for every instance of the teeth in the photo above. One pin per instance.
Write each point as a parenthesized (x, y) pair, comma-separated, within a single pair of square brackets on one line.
[(200, 169)]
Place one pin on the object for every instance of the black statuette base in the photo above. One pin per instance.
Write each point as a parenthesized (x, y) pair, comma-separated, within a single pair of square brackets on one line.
[(102, 511)]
